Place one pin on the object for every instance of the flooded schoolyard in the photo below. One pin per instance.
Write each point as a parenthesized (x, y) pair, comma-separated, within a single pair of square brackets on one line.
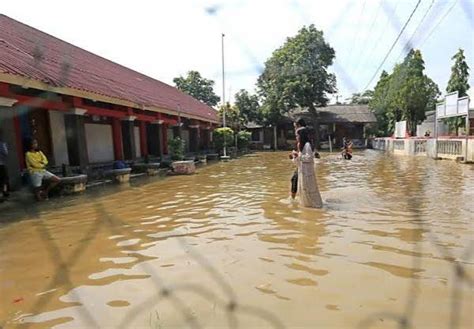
[(228, 248)]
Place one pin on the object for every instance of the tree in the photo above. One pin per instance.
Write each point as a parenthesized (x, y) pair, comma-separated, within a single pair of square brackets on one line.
[(248, 106), (243, 139), (233, 117), (459, 75), (222, 137), (296, 75), (198, 87), (380, 106), (458, 81), (406, 94), (412, 97), (176, 148), (361, 99)]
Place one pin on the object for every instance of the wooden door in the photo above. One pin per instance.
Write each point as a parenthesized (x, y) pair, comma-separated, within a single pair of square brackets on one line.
[(38, 120)]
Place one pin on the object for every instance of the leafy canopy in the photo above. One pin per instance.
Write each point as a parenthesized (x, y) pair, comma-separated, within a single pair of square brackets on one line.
[(248, 106), (405, 94), (198, 87), (296, 74), (361, 99), (458, 81)]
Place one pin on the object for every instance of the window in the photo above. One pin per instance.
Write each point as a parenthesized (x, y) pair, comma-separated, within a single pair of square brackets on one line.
[(256, 135)]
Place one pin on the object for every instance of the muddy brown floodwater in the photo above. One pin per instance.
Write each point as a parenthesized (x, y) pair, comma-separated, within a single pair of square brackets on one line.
[(227, 248)]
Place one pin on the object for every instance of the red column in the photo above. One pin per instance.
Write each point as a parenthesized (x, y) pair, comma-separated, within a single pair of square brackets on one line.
[(117, 135), (143, 139), (164, 132)]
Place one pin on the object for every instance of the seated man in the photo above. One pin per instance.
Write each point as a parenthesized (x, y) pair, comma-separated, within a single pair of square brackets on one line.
[(36, 163)]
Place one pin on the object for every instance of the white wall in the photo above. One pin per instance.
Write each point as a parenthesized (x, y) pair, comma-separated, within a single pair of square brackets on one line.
[(138, 151), (100, 144), (470, 150), (58, 134)]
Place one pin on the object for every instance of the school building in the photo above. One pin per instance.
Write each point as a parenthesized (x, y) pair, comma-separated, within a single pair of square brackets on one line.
[(84, 109)]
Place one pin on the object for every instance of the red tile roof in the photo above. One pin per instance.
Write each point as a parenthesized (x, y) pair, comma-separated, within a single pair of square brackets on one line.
[(30, 53)]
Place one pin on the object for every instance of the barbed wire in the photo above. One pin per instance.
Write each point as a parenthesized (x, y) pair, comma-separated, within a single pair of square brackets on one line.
[(230, 304)]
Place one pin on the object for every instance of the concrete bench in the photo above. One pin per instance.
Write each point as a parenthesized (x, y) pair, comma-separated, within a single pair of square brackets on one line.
[(73, 184), (183, 167), (151, 169), (202, 158), (212, 156), (119, 175)]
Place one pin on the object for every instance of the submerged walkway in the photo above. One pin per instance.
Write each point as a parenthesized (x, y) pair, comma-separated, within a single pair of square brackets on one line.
[(228, 238)]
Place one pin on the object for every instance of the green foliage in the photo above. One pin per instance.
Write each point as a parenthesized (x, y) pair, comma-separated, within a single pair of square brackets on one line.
[(176, 148), (296, 75), (243, 139), (233, 118), (198, 87), (459, 75), (455, 123), (379, 105), (406, 94), (248, 106), (458, 82), (221, 137), (361, 99)]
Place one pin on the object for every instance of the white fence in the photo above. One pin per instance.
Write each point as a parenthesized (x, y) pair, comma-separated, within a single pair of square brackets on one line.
[(450, 147), (420, 146), (454, 149)]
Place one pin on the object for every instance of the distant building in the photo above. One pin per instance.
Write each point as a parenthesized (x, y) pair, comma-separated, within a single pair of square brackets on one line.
[(84, 109), (336, 122), (428, 125)]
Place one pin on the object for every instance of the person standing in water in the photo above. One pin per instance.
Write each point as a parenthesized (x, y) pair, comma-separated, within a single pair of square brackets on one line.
[(301, 137), (304, 179), (346, 148)]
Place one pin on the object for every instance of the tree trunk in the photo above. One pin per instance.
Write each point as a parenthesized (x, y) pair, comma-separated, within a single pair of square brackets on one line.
[(315, 116)]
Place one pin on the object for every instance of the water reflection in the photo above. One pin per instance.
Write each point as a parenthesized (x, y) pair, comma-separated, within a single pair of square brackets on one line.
[(103, 259)]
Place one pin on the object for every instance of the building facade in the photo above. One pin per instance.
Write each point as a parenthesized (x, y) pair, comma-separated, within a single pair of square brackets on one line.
[(84, 109), (335, 123)]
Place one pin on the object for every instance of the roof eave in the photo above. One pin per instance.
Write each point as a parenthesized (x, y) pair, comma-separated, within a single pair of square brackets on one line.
[(40, 85)]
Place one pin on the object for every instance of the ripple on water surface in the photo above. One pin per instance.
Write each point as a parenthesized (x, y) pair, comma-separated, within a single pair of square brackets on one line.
[(110, 259)]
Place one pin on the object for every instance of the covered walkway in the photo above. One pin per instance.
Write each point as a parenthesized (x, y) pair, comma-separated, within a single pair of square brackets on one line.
[(84, 109)]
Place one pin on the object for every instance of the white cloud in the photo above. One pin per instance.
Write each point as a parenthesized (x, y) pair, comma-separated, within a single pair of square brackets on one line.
[(165, 39)]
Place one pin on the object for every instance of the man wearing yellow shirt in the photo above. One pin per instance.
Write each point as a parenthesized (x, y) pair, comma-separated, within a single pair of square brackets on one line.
[(36, 163)]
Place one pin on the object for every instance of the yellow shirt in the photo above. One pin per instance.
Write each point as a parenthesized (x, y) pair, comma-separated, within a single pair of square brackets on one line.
[(36, 161)]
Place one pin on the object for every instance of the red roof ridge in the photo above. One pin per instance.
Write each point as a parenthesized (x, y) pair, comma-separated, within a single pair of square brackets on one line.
[(147, 92)]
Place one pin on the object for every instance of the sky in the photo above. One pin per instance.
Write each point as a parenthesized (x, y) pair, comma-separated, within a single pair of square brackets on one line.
[(165, 39)]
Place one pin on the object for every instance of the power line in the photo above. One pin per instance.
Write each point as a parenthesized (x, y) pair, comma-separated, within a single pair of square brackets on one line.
[(407, 45), (357, 32), (393, 45), (361, 58), (439, 22), (377, 42)]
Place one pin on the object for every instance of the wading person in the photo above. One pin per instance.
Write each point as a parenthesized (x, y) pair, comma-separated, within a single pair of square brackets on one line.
[(306, 186), (36, 163), (346, 149), (3, 169)]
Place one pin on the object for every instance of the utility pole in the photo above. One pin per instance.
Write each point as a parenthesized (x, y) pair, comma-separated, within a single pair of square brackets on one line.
[(223, 97)]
